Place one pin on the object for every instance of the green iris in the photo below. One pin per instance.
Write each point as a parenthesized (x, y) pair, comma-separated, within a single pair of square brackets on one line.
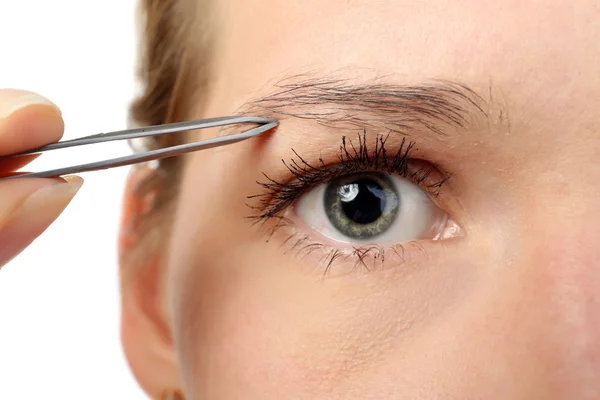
[(362, 206)]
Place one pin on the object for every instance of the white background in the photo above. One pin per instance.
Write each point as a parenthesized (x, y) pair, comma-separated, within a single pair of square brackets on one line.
[(59, 300)]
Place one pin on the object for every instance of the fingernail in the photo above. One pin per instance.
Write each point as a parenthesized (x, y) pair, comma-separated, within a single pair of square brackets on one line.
[(47, 203), (14, 100), (172, 396)]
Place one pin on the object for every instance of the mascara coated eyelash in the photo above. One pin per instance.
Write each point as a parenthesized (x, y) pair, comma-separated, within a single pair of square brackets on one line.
[(278, 196)]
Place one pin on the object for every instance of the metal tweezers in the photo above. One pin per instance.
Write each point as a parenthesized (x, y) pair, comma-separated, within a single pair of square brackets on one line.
[(265, 124)]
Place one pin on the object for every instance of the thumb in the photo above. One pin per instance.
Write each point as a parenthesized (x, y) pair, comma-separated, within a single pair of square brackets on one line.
[(27, 207)]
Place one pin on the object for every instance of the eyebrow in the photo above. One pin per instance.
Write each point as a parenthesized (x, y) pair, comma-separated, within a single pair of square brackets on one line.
[(440, 106)]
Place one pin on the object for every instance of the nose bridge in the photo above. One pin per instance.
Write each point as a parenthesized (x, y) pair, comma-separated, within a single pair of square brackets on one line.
[(560, 271)]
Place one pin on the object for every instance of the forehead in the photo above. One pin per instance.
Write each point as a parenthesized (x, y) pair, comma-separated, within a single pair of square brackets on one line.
[(538, 54)]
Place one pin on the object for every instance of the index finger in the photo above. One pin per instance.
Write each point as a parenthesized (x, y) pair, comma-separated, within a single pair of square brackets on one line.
[(27, 121)]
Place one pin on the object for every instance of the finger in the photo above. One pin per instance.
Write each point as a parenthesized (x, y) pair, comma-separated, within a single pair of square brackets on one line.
[(27, 207), (27, 121), (13, 164)]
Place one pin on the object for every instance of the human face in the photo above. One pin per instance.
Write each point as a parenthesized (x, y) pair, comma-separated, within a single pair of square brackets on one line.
[(483, 288)]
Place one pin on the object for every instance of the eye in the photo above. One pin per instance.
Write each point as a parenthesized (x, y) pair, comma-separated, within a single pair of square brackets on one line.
[(372, 208)]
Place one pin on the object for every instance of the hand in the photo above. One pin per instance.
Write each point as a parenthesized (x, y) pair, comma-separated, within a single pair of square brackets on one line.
[(28, 205)]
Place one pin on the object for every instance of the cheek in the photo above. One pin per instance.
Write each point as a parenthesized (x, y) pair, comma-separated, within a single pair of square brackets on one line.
[(247, 326), (252, 323)]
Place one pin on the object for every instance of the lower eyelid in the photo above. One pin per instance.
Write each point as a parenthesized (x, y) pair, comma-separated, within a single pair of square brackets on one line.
[(330, 260)]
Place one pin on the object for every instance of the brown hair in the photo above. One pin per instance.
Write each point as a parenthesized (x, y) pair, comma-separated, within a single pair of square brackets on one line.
[(169, 77)]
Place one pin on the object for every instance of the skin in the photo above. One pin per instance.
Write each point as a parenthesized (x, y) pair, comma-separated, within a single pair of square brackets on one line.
[(507, 310), (28, 206)]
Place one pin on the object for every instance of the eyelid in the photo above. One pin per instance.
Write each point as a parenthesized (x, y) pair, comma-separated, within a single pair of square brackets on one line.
[(353, 157), (369, 153)]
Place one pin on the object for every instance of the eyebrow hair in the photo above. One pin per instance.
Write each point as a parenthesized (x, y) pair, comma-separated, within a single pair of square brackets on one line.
[(336, 102)]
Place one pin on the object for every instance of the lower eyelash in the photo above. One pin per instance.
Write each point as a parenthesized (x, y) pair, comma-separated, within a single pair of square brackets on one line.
[(361, 255), (368, 257), (303, 246)]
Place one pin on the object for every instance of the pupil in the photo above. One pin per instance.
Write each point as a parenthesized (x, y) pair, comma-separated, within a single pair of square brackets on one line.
[(363, 201)]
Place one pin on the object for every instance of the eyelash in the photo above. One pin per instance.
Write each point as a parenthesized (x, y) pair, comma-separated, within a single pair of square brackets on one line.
[(277, 196)]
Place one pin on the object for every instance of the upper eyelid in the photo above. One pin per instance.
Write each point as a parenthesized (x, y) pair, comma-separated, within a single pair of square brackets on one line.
[(278, 195)]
